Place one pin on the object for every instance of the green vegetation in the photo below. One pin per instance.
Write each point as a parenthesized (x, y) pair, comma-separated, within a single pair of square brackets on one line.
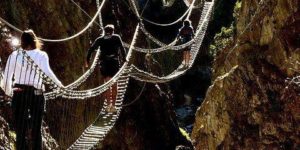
[(226, 35), (221, 40), (237, 7), (12, 135), (185, 134)]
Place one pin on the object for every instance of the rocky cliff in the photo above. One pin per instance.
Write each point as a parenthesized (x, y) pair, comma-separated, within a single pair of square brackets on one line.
[(250, 105)]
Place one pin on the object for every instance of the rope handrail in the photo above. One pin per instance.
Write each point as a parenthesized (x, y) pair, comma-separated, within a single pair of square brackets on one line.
[(63, 91), (187, 12), (187, 3), (100, 15), (81, 9), (82, 78), (83, 94), (164, 47), (155, 40), (10, 25), (63, 39), (172, 46), (96, 132), (50, 82)]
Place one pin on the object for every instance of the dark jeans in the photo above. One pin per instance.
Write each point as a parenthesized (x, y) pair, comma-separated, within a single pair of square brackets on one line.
[(28, 108)]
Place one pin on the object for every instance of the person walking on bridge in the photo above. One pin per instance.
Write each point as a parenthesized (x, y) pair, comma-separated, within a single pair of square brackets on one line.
[(112, 56), (24, 83), (186, 33)]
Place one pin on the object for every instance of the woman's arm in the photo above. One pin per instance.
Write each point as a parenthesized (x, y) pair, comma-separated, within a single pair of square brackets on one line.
[(47, 70)]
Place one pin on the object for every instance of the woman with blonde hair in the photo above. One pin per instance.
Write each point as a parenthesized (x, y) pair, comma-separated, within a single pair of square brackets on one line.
[(24, 83)]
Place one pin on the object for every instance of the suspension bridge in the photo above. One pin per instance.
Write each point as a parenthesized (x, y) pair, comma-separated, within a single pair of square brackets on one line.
[(105, 121)]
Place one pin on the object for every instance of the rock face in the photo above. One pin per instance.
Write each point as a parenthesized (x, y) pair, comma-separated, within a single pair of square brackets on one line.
[(8, 136), (249, 105), (5, 139)]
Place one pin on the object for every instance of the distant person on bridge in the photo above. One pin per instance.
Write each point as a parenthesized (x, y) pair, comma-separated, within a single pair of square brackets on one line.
[(112, 56), (186, 34), (24, 83)]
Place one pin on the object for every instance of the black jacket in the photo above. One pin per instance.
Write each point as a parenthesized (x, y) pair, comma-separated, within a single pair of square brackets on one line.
[(110, 47)]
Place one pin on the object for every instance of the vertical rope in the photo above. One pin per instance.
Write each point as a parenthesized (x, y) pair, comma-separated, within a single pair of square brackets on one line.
[(100, 15), (190, 11), (114, 7)]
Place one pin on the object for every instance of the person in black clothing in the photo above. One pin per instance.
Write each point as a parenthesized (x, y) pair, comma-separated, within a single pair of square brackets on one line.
[(186, 33), (112, 56)]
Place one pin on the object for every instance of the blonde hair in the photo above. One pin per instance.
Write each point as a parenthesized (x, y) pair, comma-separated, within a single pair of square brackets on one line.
[(28, 38)]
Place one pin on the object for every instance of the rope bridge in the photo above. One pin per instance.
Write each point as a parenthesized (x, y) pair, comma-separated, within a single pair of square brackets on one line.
[(105, 121), (197, 42)]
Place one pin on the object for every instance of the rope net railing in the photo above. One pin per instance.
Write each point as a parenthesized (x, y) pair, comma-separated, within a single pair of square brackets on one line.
[(172, 46), (52, 85), (67, 92), (85, 76), (96, 132), (99, 15), (152, 38), (149, 35), (84, 94), (105, 120), (143, 29), (141, 75), (79, 81), (164, 46)]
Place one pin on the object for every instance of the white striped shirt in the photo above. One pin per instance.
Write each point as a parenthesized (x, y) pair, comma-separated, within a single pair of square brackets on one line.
[(18, 71)]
